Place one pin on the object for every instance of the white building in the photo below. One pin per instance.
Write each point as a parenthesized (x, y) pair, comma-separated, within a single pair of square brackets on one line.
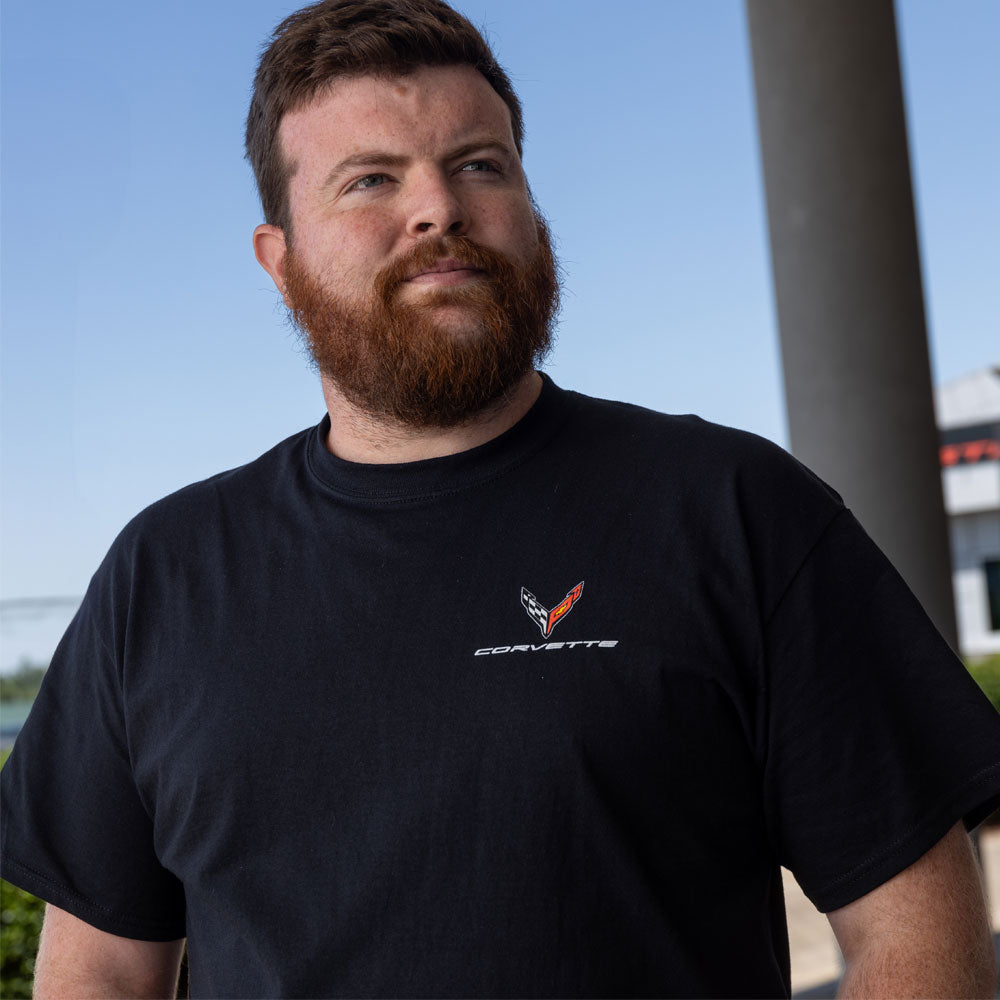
[(968, 415)]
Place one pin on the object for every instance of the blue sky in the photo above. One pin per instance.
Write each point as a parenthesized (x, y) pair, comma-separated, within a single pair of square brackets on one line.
[(143, 348)]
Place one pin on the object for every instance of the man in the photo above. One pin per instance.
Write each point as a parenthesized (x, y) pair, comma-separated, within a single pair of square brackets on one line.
[(552, 685)]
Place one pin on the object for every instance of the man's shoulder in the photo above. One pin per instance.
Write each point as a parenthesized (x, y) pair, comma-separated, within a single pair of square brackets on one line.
[(689, 441), (619, 416), (703, 478), (239, 491)]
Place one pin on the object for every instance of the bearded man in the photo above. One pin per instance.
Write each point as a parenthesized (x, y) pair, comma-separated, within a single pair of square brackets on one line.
[(482, 687)]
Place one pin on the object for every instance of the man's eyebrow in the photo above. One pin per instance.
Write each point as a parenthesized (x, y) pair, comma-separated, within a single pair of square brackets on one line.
[(380, 158), (371, 158), (478, 145)]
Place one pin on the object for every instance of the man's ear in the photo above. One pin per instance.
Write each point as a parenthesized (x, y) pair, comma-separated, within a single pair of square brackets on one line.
[(269, 248)]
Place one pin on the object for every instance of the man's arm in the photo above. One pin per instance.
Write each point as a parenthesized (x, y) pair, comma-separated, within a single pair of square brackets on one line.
[(924, 933), (78, 960)]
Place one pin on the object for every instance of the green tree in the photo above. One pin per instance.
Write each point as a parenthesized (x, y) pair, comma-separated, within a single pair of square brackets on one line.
[(987, 675), (20, 925), (23, 683)]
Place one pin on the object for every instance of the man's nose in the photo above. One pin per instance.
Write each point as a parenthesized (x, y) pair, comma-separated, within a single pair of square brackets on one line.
[(434, 208)]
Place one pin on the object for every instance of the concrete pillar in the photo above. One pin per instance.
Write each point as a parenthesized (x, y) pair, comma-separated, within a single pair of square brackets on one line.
[(847, 274)]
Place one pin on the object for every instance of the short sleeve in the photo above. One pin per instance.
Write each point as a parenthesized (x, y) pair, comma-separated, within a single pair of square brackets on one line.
[(75, 831), (879, 741)]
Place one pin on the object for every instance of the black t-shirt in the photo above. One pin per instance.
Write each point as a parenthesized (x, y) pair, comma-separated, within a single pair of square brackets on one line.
[(538, 719)]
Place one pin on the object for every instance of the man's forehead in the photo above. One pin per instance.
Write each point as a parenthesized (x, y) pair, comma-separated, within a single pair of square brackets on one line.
[(438, 105)]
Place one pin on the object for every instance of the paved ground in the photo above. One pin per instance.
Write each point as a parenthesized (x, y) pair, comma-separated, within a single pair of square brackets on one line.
[(816, 962)]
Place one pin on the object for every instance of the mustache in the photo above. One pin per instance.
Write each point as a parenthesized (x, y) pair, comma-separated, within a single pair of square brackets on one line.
[(394, 361), (432, 249)]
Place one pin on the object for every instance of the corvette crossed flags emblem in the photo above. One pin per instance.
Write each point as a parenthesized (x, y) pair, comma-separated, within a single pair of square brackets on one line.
[(547, 620)]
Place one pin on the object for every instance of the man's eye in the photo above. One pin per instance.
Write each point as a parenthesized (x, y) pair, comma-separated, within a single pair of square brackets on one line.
[(480, 165), (368, 181)]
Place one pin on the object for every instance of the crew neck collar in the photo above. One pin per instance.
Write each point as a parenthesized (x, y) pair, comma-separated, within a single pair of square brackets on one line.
[(395, 482)]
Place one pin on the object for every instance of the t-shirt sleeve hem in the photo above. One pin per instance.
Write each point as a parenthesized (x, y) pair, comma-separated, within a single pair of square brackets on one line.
[(971, 803), (101, 917)]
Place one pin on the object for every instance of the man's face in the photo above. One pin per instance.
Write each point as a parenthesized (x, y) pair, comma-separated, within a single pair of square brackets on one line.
[(418, 269)]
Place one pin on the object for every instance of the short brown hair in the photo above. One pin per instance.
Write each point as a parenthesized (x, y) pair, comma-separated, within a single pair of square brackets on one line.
[(343, 38)]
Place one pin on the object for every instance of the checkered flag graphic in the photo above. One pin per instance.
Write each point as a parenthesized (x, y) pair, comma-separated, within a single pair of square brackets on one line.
[(538, 614)]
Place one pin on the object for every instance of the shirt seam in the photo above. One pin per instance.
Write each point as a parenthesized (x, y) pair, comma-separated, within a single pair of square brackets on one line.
[(114, 914), (125, 746), (766, 624), (864, 867), (374, 499), (416, 498)]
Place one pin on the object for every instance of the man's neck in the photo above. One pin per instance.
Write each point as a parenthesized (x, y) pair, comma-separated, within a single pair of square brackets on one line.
[(356, 436)]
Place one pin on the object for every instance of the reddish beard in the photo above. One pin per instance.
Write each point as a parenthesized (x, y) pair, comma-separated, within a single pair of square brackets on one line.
[(393, 361)]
